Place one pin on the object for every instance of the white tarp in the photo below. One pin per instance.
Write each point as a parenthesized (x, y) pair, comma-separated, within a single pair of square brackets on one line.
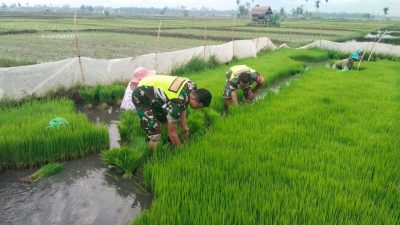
[(18, 82), (351, 46)]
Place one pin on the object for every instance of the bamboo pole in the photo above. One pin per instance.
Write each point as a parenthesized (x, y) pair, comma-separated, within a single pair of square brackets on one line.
[(233, 36), (205, 41), (266, 47), (157, 45), (320, 38), (257, 34), (373, 46), (78, 53), (359, 63)]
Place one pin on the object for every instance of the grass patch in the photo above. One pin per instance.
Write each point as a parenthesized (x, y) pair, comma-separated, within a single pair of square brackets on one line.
[(311, 55), (26, 142), (395, 34), (13, 62)]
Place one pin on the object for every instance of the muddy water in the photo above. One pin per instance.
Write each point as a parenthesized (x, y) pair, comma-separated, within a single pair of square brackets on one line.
[(85, 192), (274, 87), (108, 116)]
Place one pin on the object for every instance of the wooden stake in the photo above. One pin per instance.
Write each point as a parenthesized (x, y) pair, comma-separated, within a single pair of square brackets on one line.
[(257, 34), (205, 41), (373, 46), (266, 47), (77, 49), (233, 36), (359, 63), (157, 45), (320, 38)]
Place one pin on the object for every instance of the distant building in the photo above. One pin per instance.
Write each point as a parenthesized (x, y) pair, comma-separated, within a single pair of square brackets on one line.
[(260, 14)]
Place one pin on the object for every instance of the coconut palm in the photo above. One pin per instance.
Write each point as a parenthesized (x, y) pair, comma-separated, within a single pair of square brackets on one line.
[(317, 3), (385, 10)]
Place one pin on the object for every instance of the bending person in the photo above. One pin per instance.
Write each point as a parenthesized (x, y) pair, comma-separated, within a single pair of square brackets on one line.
[(346, 64), (164, 99), (241, 77)]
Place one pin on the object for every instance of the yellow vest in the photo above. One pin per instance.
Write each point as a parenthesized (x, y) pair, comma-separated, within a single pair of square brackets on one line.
[(170, 85), (237, 70)]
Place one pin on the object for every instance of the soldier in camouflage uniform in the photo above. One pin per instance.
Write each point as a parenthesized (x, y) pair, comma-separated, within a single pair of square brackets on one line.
[(241, 77), (164, 99)]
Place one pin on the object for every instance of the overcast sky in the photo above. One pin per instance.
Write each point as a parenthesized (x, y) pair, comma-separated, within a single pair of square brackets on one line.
[(371, 6)]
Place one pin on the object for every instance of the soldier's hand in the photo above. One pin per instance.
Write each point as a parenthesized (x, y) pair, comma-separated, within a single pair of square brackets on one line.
[(186, 130), (250, 95)]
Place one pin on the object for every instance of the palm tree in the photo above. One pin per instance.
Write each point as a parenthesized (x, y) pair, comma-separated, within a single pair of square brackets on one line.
[(317, 4), (385, 10)]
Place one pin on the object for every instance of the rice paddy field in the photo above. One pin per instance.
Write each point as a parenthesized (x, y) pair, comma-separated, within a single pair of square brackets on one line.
[(323, 150), (38, 38)]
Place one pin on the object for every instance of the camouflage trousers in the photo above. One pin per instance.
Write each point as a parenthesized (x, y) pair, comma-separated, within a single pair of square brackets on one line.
[(229, 90), (150, 111)]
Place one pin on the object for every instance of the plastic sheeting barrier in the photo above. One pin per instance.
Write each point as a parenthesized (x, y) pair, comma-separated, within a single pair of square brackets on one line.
[(351, 46), (18, 82)]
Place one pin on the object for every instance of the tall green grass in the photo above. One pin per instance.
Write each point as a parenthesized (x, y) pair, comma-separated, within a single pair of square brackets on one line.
[(25, 141), (322, 151)]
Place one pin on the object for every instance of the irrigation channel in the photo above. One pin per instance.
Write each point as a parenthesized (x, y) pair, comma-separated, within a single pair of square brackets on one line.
[(85, 192)]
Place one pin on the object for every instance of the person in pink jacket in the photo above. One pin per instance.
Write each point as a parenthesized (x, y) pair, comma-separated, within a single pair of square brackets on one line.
[(138, 75)]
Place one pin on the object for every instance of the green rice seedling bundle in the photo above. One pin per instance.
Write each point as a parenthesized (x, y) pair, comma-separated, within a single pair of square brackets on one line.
[(322, 151), (26, 139), (48, 170), (129, 127), (127, 160)]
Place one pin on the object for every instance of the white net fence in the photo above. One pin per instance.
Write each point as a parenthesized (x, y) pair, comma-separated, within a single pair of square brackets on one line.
[(19, 82), (351, 46)]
